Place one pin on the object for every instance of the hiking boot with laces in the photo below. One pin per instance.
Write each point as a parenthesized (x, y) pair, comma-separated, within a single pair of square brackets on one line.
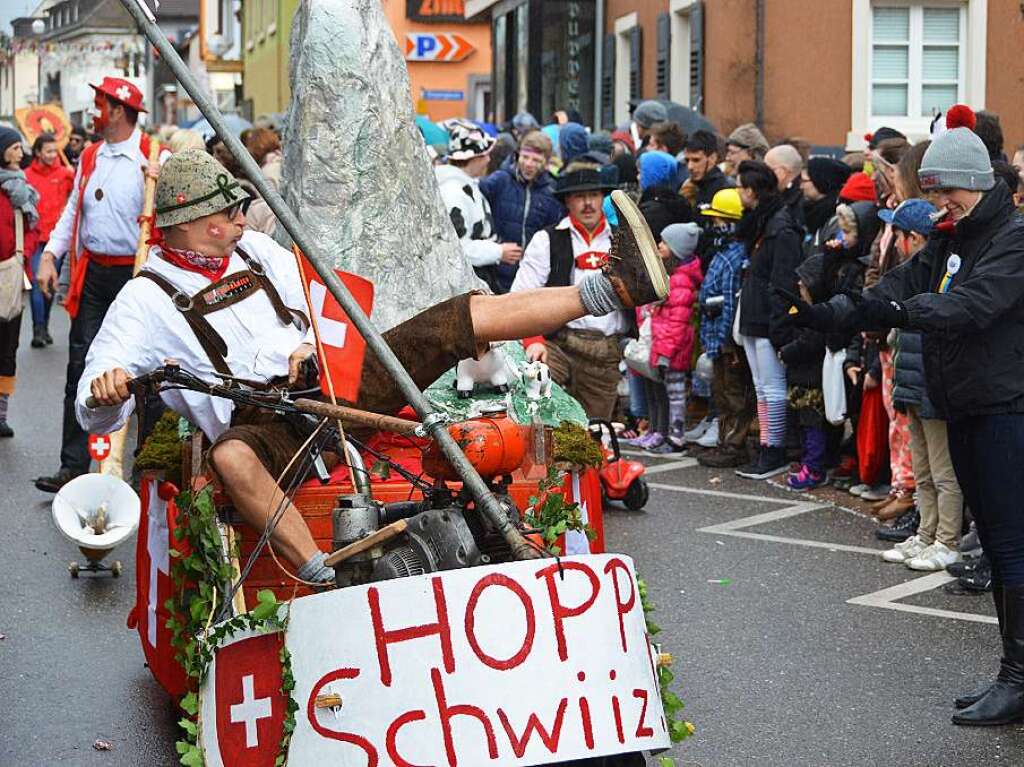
[(902, 528), (634, 267)]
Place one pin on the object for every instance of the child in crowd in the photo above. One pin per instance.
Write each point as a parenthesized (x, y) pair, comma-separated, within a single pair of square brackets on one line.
[(673, 337), (731, 386), (939, 498)]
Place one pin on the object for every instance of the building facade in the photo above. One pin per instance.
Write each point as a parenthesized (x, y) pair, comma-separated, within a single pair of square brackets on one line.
[(424, 29), (828, 71)]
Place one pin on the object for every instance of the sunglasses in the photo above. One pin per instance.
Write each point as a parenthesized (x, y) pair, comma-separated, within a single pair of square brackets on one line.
[(239, 207)]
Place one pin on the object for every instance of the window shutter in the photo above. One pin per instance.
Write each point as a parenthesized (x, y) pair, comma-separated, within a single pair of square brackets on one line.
[(661, 75), (635, 62), (697, 56), (608, 82)]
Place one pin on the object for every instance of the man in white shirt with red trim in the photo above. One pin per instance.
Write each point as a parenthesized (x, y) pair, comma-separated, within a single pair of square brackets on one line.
[(221, 300), (583, 355), (99, 232)]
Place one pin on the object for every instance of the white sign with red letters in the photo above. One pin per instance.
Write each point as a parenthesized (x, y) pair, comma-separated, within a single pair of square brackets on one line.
[(525, 663)]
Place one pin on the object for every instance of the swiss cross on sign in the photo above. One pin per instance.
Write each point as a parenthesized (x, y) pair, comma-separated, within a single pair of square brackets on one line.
[(250, 704), (99, 446), (436, 46), (343, 347)]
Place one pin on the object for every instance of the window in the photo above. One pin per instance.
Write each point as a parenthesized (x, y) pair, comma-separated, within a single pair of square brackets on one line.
[(913, 59), (916, 54), (686, 57), (627, 65)]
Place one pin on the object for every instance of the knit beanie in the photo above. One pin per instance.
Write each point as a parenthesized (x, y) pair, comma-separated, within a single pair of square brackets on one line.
[(649, 112), (749, 136), (600, 141), (828, 175), (625, 138), (858, 188), (681, 239), (880, 135), (8, 138), (572, 142), (957, 159), (657, 168)]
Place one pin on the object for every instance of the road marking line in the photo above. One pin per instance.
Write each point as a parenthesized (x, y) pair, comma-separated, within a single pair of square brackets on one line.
[(682, 463), (886, 599), (645, 454), (721, 493)]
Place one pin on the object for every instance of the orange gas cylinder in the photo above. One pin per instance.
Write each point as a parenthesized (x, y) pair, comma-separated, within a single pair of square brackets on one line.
[(493, 443)]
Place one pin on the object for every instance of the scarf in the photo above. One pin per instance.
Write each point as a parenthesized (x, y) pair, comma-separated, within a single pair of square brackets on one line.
[(817, 213), (751, 227), (21, 194), (192, 261)]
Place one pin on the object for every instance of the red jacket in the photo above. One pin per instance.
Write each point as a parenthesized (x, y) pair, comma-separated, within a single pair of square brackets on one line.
[(7, 239), (672, 332), (54, 184)]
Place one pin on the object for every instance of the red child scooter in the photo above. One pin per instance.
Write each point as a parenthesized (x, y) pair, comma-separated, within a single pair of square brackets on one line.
[(621, 479)]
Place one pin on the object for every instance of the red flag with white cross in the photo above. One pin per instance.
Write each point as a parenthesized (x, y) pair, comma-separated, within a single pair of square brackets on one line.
[(340, 347), (250, 705)]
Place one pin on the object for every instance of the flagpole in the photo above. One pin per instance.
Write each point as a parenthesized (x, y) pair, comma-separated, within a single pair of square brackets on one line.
[(433, 422)]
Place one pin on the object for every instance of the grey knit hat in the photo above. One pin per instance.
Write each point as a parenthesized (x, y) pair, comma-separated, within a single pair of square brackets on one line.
[(191, 185), (649, 112), (749, 136), (681, 239), (957, 159)]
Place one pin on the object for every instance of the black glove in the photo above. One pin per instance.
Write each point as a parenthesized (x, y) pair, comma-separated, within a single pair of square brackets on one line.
[(880, 314), (802, 314)]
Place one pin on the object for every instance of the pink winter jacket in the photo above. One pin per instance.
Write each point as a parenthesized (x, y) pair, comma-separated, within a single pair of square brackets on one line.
[(672, 333)]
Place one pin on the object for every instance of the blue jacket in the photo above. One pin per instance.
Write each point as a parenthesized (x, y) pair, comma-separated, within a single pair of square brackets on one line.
[(724, 278), (519, 209)]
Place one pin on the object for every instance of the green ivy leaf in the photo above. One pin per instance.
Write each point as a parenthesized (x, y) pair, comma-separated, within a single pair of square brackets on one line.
[(190, 704)]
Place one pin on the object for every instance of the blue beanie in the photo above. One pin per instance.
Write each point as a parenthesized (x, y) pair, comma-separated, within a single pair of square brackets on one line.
[(572, 142), (657, 168)]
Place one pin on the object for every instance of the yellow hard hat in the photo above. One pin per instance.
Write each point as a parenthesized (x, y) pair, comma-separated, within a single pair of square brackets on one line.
[(725, 204)]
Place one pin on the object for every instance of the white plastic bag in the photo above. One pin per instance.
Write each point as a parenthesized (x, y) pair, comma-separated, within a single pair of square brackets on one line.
[(637, 353), (833, 386)]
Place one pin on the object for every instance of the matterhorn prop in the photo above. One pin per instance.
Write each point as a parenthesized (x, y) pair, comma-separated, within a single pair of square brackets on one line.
[(96, 512)]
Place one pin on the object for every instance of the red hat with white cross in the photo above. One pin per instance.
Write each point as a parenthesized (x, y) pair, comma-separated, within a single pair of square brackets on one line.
[(121, 91)]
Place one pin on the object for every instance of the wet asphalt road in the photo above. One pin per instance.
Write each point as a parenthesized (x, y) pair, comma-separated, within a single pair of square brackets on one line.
[(777, 666)]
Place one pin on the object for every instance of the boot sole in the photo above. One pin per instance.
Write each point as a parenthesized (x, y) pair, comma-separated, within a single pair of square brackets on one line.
[(986, 722), (763, 475), (645, 241)]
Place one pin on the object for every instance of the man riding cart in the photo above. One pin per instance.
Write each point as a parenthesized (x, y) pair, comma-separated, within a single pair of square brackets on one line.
[(223, 303)]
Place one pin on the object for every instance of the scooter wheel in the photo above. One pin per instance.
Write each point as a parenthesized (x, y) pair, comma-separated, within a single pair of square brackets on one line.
[(637, 494), (73, 569), (115, 569)]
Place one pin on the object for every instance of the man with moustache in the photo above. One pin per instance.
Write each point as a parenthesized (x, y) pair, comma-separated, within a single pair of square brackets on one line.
[(99, 231), (223, 301), (583, 355)]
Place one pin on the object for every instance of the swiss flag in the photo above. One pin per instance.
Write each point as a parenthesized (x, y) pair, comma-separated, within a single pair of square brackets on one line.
[(342, 345), (250, 705)]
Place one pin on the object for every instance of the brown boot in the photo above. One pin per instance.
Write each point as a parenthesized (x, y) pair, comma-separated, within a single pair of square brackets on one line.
[(634, 267), (895, 507)]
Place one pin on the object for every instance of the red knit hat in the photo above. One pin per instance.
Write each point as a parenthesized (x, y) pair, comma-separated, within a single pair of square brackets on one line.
[(858, 188), (121, 91), (625, 138)]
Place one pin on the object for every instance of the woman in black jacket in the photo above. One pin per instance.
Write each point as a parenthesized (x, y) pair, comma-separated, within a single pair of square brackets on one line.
[(963, 292), (773, 241)]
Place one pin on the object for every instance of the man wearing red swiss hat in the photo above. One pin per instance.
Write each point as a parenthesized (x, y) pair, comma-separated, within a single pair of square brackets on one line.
[(99, 232)]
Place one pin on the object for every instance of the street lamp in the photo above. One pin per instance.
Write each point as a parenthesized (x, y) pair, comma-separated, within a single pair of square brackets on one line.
[(38, 27)]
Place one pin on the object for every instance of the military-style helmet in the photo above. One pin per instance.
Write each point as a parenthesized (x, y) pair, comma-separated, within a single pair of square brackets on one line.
[(191, 185)]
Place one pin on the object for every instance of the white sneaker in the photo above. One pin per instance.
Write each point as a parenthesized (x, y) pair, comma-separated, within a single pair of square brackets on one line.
[(710, 437), (934, 558), (876, 493), (904, 552), (698, 431), (857, 490)]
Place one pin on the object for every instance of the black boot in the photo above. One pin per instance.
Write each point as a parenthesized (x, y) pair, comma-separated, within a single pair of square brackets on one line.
[(1004, 701), (971, 698), (38, 337)]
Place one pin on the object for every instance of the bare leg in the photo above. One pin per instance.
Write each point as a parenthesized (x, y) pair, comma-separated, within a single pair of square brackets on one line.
[(520, 315), (256, 496)]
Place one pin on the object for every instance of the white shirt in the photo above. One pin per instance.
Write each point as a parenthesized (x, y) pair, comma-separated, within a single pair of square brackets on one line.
[(110, 225), (535, 268), (143, 328)]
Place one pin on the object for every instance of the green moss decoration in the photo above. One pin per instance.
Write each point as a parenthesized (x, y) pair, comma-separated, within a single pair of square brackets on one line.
[(162, 449), (575, 445)]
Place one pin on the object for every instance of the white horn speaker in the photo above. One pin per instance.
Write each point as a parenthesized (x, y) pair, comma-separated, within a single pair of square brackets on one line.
[(96, 512)]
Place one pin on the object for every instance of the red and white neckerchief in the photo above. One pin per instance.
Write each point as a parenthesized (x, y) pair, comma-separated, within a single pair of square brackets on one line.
[(591, 259), (193, 261)]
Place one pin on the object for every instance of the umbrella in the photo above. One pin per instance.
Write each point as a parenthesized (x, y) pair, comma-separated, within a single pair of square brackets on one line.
[(433, 134), (236, 124)]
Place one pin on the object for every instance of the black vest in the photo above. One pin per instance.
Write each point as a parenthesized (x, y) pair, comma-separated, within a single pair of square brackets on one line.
[(562, 259)]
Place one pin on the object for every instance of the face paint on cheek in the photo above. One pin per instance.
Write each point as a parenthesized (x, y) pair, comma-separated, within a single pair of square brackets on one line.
[(215, 231)]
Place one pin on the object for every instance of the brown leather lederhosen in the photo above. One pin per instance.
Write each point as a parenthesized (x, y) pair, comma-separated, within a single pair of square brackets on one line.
[(227, 291)]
